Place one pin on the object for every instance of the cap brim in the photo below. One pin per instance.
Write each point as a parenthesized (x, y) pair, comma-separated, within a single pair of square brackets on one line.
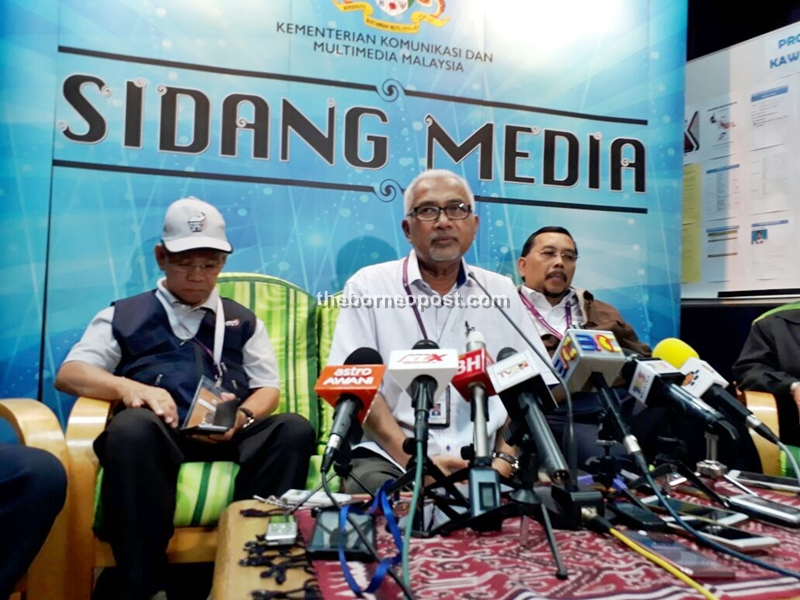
[(197, 243)]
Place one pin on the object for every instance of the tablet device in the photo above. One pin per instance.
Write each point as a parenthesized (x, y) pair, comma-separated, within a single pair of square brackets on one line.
[(209, 413)]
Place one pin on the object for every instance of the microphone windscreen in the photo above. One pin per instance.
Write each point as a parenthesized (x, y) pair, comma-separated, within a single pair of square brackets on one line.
[(426, 345), (674, 351), (505, 353), (364, 356)]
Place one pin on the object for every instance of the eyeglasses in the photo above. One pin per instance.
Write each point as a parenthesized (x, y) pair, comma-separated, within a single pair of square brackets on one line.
[(567, 256), (454, 212), (206, 267)]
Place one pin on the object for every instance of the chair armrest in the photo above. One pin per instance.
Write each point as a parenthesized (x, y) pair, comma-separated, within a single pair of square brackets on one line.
[(36, 425), (86, 421), (765, 409)]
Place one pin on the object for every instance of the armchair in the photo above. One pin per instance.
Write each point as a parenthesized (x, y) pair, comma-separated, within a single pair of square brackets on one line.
[(204, 489), (37, 427)]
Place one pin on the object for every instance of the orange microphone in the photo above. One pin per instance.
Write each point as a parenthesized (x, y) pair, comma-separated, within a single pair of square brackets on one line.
[(350, 389)]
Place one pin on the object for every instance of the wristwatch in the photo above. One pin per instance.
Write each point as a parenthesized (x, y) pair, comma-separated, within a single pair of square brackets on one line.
[(251, 418), (512, 460)]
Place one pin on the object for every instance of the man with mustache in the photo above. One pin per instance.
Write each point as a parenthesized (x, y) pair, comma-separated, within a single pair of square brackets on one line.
[(440, 224), (547, 265)]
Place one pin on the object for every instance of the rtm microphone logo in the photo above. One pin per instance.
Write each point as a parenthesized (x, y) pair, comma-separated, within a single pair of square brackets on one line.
[(421, 358), (583, 343)]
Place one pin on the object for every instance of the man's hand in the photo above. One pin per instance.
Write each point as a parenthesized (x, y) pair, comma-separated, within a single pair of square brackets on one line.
[(796, 396), (503, 467), (138, 395), (447, 465), (216, 438)]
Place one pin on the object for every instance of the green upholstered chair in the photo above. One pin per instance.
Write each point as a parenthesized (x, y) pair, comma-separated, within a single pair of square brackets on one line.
[(288, 313), (204, 489), (327, 312)]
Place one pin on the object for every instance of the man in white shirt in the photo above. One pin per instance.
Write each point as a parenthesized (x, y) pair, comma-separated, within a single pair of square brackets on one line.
[(440, 224), (547, 265), (147, 353)]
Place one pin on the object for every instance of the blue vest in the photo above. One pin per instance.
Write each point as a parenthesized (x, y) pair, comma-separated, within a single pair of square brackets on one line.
[(153, 355)]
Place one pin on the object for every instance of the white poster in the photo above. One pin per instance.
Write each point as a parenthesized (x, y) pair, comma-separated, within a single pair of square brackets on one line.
[(770, 180), (721, 252), (721, 189), (770, 112), (771, 249)]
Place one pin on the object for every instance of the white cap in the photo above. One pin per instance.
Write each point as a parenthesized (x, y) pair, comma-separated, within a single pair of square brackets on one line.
[(191, 224)]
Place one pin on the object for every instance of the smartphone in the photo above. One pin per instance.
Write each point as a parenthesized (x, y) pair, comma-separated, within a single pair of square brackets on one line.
[(692, 563), (281, 531), (720, 515), (772, 482), (327, 534), (730, 537), (767, 510)]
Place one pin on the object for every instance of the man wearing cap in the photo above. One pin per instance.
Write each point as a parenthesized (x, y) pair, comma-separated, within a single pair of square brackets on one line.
[(148, 353)]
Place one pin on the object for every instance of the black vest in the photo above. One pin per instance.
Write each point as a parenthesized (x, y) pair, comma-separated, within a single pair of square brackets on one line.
[(152, 354)]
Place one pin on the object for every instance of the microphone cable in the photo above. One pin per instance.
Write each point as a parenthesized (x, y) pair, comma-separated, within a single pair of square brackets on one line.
[(601, 525), (572, 444), (412, 509), (705, 541)]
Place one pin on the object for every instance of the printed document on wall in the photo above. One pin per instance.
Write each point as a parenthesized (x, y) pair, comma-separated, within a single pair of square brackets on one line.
[(771, 249), (770, 116), (770, 180), (721, 127), (721, 258), (721, 188)]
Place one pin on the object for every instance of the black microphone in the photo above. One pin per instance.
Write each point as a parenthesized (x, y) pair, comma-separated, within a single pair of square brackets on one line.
[(703, 381), (593, 359), (350, 388), (655, 382), (424, 372), (518, 383), (571, 442)]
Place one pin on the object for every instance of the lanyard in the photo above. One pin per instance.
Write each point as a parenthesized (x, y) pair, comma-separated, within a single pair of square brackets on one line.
[(451, 317), (538, 316), (219, 337)]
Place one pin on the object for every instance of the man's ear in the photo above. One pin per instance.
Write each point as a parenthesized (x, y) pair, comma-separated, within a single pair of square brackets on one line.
[(521, 267), (406, 229), (161, 256)]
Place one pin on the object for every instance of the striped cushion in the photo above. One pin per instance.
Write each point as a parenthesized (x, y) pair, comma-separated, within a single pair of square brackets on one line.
[(204, 490), (786, 464), (288, 314)]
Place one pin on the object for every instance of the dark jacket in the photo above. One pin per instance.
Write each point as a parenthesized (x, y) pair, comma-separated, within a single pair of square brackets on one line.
[(600, 315), (770, 362)]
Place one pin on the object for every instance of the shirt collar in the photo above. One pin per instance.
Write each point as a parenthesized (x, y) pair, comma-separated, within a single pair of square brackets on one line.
[(540, 301), (210, 303), (414, 274)]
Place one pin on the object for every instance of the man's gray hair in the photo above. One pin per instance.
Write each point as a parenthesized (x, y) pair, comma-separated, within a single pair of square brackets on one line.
[(408, 195)]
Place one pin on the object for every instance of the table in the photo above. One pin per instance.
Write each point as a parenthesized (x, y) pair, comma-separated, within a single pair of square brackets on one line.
[(493, 566)]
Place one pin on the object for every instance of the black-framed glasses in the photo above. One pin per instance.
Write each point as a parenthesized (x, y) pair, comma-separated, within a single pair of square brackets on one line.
[(454, 212), (568, 256)]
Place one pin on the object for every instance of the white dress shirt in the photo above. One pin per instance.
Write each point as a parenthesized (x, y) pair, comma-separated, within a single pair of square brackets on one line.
[(98, 346), (555, 316), (387, 329)]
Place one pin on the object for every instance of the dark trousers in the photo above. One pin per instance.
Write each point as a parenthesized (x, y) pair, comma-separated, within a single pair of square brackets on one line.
[(141, 458), (33, 487), (371, 470)]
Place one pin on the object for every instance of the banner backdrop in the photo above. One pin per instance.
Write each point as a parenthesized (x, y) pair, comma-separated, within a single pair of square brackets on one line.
[(302, 121)]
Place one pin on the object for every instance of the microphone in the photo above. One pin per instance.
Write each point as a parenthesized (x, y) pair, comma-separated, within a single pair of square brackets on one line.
[(702, 381), (592, 359), (473, 383), (517, 381), (424, 372), (350, 390), (655, 382)]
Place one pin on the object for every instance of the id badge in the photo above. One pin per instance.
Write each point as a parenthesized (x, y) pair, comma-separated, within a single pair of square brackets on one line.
[(440, 412)]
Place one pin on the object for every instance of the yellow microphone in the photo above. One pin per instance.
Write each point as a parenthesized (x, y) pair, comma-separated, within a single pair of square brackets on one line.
[(676, 352)]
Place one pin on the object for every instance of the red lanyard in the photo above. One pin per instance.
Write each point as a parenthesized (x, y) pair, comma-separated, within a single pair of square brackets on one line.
[(538, 316)]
